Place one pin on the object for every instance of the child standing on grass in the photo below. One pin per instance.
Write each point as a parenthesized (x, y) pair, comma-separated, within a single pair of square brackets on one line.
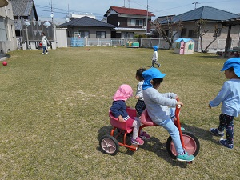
[(118, 109), (229, 96), (140, 106), (155, 56), (158, 110), (44, 43)]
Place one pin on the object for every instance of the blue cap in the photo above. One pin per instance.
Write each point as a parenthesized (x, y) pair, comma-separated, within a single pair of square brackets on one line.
[(150, 74), (232, 62), (155, 48)]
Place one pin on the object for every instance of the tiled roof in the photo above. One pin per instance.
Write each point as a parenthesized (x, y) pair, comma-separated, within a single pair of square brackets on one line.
[(22, 7), (124, 10), (204, 12), (86, 22)]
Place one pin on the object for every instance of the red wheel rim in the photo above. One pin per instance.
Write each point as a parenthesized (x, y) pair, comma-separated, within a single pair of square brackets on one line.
[(108, 145), (190, 145)]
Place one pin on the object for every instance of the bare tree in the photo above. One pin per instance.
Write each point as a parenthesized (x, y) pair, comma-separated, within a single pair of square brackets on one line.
[(166, 30), (217, 32), (201, 31)]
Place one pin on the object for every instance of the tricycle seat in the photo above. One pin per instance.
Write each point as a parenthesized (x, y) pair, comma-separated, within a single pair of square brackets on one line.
[(146, 120), (127, 125)]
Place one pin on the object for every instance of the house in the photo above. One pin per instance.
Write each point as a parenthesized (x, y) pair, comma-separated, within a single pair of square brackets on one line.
[(23, 10), (7, 31), (128, 21), (205, 26), (87, 27)]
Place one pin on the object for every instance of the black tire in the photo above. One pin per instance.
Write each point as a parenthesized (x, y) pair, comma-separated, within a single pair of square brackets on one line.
[(109, 145), (190, 141)]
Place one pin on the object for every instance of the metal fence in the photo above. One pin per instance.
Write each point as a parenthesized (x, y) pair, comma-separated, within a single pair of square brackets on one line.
[(218, 45), (34, 29)]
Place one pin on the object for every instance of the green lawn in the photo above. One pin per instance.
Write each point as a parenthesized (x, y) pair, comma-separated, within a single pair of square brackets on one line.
[(54, 109)]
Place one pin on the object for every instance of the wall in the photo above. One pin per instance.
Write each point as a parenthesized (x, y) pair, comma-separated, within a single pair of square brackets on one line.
[(219, 43), (61, 37), (8, 40), (92, 31)]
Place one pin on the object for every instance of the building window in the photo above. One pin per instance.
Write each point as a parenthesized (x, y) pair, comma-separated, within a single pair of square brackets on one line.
[(127, 35), (167, 32), (184, 32), (139, 22), (191, 34), (84, 34), (101, 34), (135, 22)]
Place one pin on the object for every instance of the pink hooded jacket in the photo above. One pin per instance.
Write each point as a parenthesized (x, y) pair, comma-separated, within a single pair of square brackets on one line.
[(123, 93)]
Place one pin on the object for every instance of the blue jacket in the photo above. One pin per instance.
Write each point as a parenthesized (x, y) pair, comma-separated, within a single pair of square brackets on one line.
[(229, 96)]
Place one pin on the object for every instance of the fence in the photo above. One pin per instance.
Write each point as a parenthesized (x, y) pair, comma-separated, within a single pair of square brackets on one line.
[(218, 45)]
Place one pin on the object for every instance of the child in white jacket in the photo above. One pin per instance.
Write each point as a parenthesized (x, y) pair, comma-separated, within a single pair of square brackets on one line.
[(44, 44)]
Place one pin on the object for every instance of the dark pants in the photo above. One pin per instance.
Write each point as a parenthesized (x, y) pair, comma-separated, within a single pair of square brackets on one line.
[(226, 122), (155, 62), (140, 106), (44, 49)]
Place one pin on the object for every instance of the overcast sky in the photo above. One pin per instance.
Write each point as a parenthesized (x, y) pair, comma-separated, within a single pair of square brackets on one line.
[(157, 7)]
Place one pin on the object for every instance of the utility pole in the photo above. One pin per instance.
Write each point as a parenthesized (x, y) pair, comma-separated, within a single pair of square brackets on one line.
[(147, 18), (51, 11), (195, 4)]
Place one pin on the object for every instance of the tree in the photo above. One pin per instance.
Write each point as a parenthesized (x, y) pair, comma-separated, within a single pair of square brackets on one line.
[(201, 31), (217, 32), (166, 30)]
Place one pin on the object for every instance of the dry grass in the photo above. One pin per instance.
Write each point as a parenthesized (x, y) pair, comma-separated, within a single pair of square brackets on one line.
[(54, 109)]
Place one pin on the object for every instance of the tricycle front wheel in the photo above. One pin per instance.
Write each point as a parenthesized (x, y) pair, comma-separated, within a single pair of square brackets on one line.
[(191, 143)]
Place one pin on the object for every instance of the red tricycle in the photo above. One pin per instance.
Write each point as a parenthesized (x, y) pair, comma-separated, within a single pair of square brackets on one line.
[(109, 143)]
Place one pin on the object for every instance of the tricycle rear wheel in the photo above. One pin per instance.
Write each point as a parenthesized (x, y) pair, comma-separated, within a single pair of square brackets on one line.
[(109, 145)]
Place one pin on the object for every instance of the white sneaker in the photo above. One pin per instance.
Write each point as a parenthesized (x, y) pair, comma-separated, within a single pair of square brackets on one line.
[(46, 52), (42, 53)]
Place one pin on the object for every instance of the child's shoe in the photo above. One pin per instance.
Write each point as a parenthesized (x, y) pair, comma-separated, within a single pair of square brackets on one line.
[(225, 143), (137, 141), (216, 132), (144, 135), (185, 157)]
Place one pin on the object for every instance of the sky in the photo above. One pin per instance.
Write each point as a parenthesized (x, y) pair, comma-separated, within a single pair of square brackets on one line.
[(157, 7)]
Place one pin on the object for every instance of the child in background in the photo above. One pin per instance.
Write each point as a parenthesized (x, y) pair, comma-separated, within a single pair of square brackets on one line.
[(140, 106), (155, 56), (44, 43), (229, 96), (158, 110), (118, 109)]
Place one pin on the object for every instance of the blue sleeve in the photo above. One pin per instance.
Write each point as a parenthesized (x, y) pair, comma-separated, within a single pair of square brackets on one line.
[(223, 93), (116, 108)]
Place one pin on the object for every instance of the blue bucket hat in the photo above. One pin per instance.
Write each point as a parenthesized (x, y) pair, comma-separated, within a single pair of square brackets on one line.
[(150, 74), (232, 62), (155, 48)]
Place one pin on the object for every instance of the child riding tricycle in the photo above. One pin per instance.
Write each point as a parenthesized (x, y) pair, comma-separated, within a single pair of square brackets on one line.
[(110, 145), (181, 145)]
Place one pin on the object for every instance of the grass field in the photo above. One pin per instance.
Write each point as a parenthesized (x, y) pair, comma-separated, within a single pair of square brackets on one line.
[(54, 109)]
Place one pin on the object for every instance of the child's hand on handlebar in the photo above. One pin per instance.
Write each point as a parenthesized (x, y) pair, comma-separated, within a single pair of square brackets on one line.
[(179, 103)]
